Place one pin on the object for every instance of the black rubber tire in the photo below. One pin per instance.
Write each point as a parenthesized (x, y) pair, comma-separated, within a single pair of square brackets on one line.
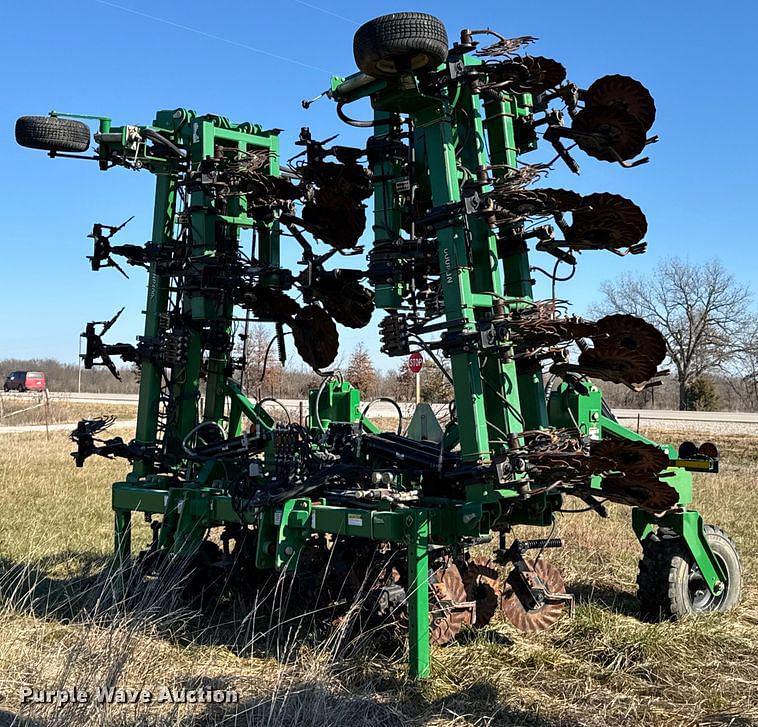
[(400, 43), (668, 583), (52, 133), (203, 580)]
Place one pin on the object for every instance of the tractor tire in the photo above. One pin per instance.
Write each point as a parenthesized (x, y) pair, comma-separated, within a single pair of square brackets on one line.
[(669, 584), (52, 133), (400, 43)]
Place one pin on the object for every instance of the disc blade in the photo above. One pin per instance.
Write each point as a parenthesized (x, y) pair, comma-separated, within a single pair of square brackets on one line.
[(449, 611), (351, 304), (630, 457), (606, 221), (481, 580), (315, 335), (540, 618), (606, 128), (648, 493), (625, 93)]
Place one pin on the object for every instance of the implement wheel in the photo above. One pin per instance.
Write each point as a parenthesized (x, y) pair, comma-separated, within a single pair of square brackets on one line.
[(669, 583), (52, 133), (400, 43)]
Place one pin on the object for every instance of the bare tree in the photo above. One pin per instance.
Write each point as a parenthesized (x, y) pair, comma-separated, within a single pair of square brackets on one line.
[(435, 387), (361, 372), (403, 382), (742, 369), (700, 309), (263, 372)]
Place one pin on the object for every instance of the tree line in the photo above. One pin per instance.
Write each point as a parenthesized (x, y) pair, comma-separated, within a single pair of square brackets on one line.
[(703, 312)]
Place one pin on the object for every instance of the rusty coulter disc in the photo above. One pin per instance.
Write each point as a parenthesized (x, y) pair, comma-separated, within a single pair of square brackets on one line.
[(273, 304), (618, 367), (448, 609), (543, 74), (607, 127), (351, 304), (625, 93), (315, 335), (563, 200), (542, 617), (646, 492), (631, 458), (639, 464), (626, 350), (630, 334), (540, 202), (481, 580), (606, 221)]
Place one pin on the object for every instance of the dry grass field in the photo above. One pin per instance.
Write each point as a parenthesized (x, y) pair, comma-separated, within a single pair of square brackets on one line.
[(31, 410), (60, 628)]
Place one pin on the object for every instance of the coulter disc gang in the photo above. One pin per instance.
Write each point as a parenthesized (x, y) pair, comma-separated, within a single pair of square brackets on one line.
[(543, 74), (636, 483)]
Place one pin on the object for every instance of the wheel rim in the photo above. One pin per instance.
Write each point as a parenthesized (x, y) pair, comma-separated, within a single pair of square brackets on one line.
[(700, 596), (395, 65)]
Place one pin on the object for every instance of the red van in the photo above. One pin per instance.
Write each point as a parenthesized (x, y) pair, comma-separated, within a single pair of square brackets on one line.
[(25, 381)]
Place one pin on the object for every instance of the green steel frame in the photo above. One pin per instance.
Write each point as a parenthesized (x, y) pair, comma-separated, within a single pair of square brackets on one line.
[(495, 399)]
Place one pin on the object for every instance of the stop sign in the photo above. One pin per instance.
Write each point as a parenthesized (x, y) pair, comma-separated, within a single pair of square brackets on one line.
[(415, 362)]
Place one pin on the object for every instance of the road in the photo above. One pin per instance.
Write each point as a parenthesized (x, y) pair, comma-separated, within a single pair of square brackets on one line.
[(722, 422)]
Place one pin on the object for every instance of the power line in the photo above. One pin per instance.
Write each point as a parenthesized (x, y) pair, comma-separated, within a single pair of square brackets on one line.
[(327, 12), (213, 37)]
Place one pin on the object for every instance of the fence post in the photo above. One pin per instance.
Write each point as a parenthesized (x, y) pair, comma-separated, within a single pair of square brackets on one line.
[(47, 414)]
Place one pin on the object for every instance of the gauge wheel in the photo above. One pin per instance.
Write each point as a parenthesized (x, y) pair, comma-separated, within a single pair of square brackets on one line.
[(400, 43), (52, 133), (671, 586)]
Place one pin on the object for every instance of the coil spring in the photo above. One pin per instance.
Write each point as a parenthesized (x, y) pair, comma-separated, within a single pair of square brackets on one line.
[(281, 350), (541, 543)]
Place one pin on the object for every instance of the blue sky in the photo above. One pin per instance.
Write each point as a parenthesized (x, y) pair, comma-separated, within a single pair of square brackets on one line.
[(111, 58)]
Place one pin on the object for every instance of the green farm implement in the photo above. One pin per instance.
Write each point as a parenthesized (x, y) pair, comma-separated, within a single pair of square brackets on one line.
[(415, 525)]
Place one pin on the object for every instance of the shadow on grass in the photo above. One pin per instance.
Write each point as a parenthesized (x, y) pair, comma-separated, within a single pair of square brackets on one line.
[(351, 695), (251, 626), (169, 604), (611, 598), (29, 587), (311, 705), (11, 719)]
